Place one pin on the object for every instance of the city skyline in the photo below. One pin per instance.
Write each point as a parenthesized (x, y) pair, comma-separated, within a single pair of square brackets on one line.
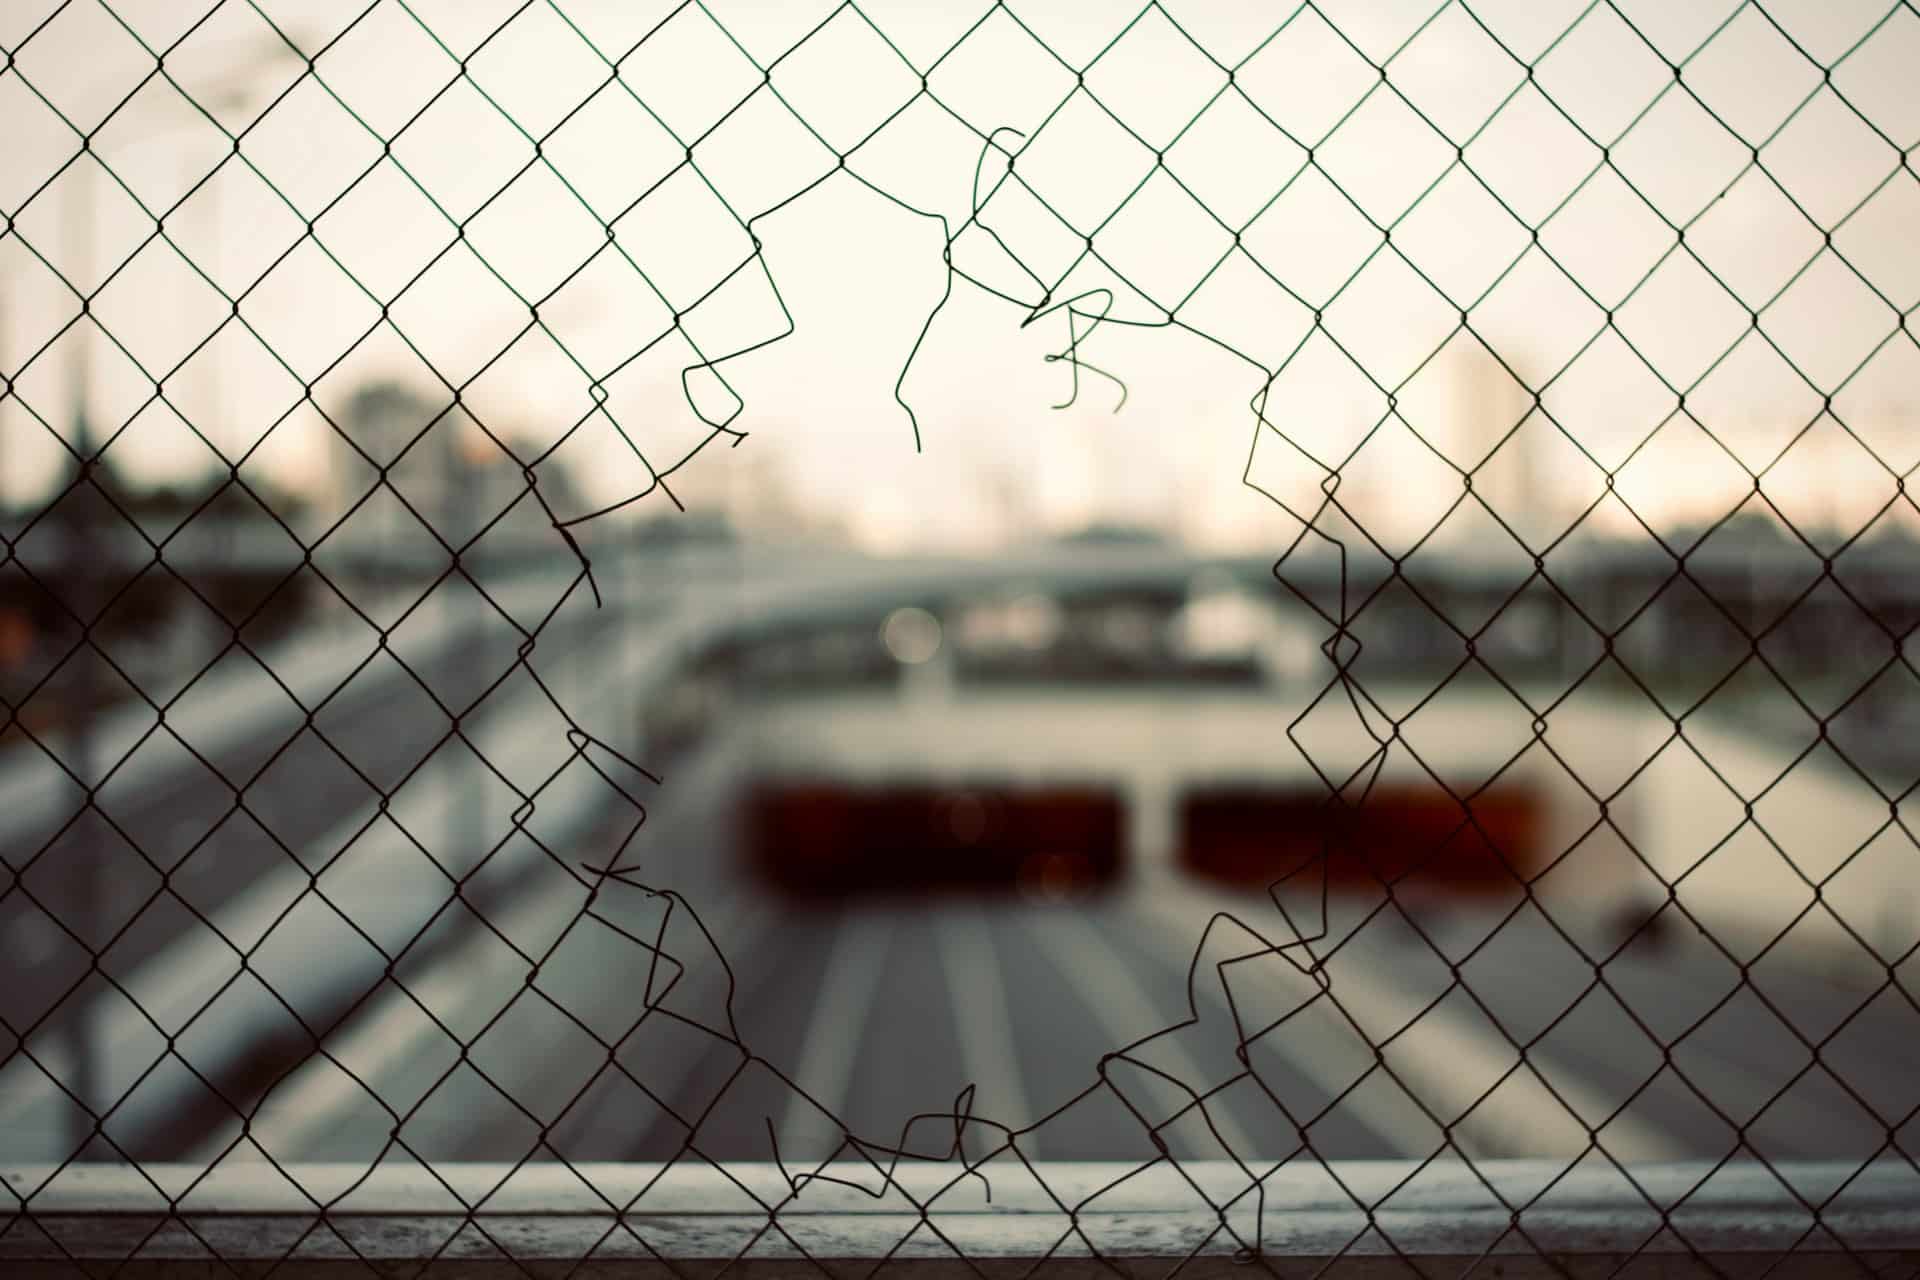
[(388, 154)]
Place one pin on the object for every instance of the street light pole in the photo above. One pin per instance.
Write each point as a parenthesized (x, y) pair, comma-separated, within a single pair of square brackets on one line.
[(80, 561), (86, 587)]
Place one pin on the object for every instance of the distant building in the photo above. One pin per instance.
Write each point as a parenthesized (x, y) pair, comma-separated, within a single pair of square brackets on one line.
[(1489, 403), (455, 478)]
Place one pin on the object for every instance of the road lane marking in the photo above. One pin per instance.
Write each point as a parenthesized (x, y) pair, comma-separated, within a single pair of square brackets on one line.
[(988, 1053), (173, 983), (836, 1032), (319, 1100), (735, 930), (1125, 1012), (1455, 1060)]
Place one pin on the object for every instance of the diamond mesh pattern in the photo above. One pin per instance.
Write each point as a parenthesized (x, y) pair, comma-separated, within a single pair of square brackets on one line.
[(1624, 216)]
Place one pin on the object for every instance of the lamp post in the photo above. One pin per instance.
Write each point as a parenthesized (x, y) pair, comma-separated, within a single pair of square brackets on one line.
[(86, 588), (79, 561)]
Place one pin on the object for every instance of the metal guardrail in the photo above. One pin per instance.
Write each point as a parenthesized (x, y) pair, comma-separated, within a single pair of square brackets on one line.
[(1510, 1218)]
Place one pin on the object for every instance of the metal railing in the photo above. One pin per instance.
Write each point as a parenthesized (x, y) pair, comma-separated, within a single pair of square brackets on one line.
[(1629, 230)]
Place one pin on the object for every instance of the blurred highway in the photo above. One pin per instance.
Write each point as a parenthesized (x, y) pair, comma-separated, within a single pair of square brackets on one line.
[(399, 929), (883, 1007)]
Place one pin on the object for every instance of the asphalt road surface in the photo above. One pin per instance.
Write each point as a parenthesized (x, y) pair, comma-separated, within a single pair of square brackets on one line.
[(883, 1009), (536, 1022), (169, 850)]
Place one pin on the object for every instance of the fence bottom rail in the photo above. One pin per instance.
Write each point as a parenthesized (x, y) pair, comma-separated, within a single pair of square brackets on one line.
[(937, 1220)]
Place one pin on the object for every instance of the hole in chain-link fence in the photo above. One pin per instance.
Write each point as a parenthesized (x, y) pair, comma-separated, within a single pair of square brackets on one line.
[(1224, 590)]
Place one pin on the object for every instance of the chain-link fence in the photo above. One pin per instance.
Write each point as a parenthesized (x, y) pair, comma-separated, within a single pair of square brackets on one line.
[(340, 344)]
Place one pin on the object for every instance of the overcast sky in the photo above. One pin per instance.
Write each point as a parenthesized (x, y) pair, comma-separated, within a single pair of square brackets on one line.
[(860, 274)]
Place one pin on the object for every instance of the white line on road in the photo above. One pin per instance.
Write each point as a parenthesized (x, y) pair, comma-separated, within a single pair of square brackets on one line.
[(736, 929), (172, 984), (320, 1102), (836, 1032), (1125, 1012), (988, 1053), (1454, 1062)]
